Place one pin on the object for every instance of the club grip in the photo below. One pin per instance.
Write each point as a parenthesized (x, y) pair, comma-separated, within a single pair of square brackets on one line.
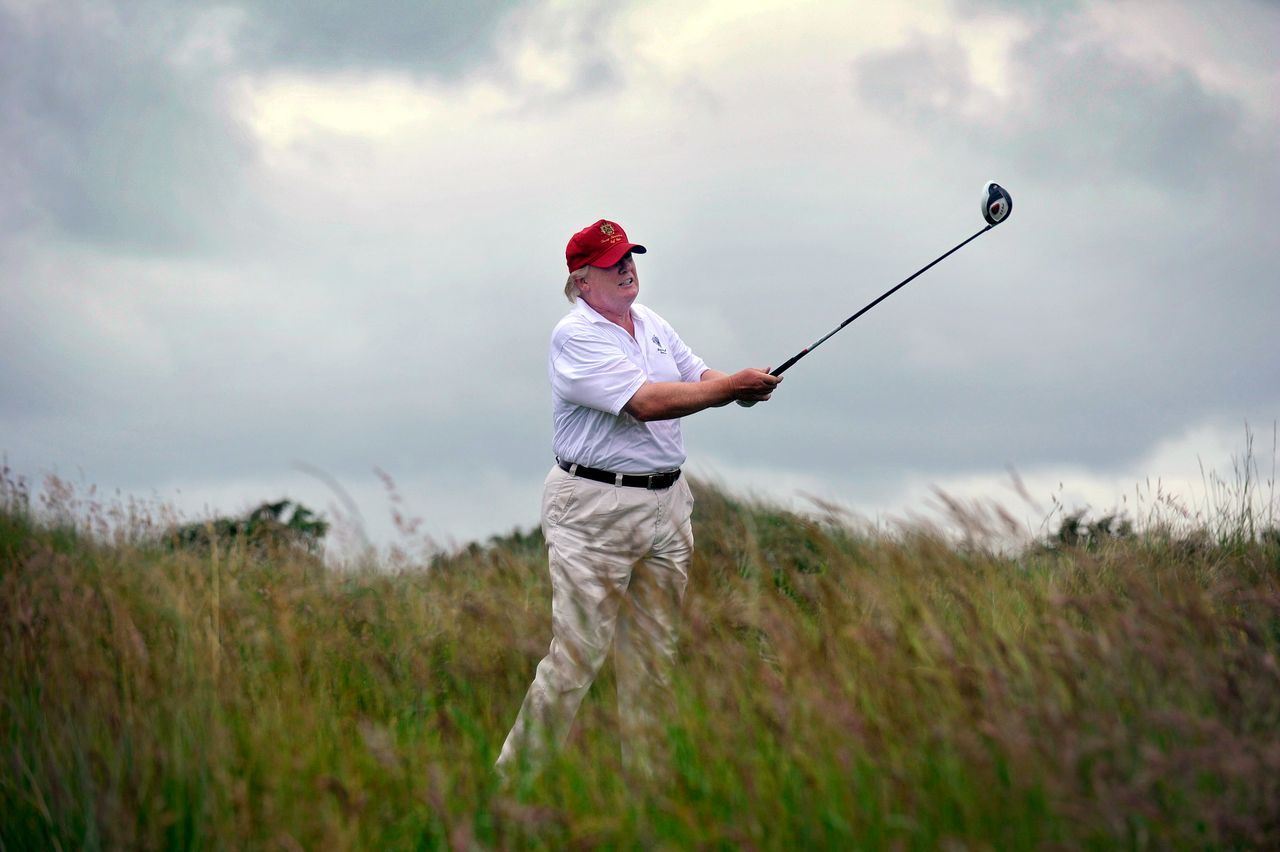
[(746, 403), (778, 371)]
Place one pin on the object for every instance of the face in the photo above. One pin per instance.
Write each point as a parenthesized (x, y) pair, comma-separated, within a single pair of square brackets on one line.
[(610, 290)]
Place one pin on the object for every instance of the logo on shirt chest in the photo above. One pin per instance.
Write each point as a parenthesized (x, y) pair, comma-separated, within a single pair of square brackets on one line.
[(656, 342)]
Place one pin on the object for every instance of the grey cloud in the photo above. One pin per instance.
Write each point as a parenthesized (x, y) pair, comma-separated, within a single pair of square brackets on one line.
[(103, 138), (923, 81), (1093, 110), (109, 137), (445, 41), (573, 34), (441, 38), (1164, 126)]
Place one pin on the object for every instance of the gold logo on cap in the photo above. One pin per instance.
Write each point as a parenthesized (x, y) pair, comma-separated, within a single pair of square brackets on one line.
[(606, 229)]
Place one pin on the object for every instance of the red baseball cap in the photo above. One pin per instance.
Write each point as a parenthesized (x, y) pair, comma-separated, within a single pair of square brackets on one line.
[(601, 244)]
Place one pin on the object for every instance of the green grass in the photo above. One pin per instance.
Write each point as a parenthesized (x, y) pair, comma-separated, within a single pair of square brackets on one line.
[(838, 688)]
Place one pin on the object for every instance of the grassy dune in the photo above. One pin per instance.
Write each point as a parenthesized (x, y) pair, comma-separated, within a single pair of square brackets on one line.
[(838, 688)]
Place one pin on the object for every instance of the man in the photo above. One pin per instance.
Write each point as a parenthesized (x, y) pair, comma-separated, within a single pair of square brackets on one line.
[(615, 508)]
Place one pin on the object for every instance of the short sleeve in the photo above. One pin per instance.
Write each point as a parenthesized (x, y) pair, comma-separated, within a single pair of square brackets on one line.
[(592, 371)]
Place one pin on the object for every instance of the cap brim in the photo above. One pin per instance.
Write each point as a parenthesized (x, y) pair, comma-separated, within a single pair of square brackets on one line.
[(616, 253)]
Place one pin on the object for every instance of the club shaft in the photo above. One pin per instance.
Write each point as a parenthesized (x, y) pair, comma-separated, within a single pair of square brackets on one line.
[(786, 365)]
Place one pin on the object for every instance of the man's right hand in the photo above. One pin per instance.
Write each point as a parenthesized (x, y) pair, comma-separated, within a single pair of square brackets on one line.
[(752, 385)]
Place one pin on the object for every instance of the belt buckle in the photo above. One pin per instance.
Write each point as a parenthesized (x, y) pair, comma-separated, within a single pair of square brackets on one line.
[(650, 480)]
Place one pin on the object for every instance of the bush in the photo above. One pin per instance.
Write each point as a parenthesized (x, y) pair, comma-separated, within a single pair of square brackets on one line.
[(270, 527)]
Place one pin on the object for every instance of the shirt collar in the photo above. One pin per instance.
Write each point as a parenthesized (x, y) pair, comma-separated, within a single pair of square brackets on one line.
[(580, 305)]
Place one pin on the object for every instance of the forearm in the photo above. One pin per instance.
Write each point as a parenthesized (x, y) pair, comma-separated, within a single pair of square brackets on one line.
[(668, 400), (710, 375)]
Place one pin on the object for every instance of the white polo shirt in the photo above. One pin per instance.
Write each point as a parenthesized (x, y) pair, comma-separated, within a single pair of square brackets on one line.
[(596, 367)]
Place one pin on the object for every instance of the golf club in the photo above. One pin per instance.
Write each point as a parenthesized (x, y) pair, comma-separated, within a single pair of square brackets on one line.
[(997, 204)]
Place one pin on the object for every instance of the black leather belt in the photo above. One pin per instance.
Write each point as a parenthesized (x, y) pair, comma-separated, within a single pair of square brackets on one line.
[(652, 481)]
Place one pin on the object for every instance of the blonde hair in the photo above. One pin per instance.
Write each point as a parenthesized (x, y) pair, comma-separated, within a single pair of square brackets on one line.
[(571, 290)]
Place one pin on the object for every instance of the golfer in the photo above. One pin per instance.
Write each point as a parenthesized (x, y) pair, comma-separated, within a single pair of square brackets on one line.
[(615, 509)]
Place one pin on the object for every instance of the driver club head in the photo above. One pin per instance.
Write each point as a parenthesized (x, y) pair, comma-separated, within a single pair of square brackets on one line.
[(997, 203)]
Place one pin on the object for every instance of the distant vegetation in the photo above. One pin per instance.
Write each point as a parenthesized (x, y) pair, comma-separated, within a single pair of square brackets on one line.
[(271, 526), (1110, 685)]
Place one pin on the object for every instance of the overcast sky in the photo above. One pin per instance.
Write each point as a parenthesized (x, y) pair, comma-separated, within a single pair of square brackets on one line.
[(252, 248)]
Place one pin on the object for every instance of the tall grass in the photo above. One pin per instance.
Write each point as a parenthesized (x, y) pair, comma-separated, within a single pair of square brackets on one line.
[(837, 688)]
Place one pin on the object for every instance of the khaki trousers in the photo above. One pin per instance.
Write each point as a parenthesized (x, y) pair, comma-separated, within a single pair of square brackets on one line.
[(619, 561)]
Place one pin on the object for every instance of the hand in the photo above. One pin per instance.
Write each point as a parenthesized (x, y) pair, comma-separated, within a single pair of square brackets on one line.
[(750, 386)]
